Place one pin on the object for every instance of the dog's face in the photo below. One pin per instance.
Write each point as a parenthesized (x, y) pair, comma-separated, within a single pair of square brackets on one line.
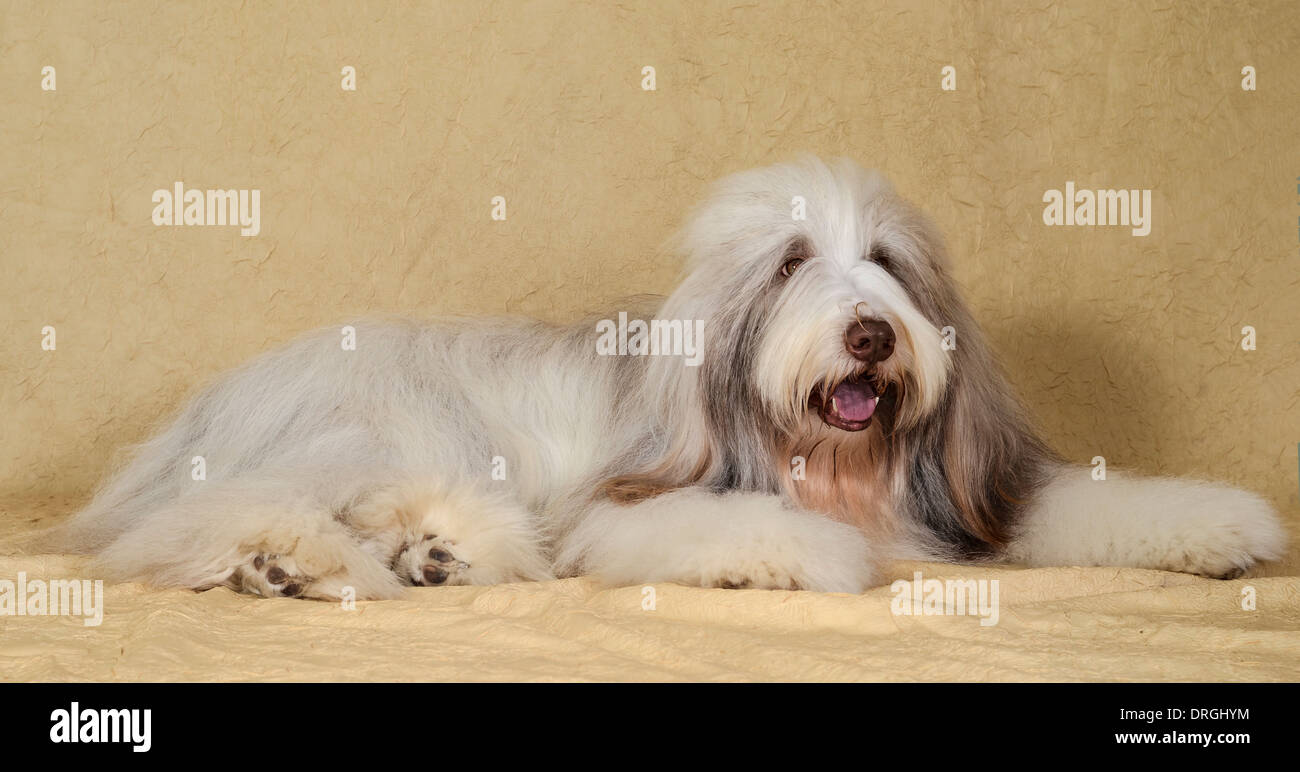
[(818, 284), (827, 371)]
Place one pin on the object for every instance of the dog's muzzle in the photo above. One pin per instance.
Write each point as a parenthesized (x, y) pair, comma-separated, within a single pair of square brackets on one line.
[(852, 403)]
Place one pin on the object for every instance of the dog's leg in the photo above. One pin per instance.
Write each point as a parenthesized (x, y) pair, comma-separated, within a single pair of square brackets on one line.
[(1168, 524), (258, 536), (437, 534), (692, 536)]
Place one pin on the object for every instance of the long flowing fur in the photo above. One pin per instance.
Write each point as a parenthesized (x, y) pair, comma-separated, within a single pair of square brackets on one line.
[(469, 451)]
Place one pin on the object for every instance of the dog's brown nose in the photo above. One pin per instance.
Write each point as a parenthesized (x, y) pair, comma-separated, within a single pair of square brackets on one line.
[(870, 341)]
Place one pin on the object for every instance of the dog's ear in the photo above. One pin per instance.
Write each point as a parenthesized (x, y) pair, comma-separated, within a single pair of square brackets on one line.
[(688, 458), (974, 463), (711, 422), (690, 454)]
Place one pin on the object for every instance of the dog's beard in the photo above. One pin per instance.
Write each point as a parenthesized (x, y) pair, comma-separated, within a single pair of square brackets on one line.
[(840, 449), (845, 436)]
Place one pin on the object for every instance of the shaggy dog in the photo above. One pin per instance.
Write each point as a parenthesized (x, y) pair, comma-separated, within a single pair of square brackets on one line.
[(845, 408)]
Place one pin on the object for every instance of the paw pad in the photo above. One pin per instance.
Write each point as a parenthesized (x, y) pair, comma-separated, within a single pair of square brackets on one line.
[(429, 561), (265, 576)]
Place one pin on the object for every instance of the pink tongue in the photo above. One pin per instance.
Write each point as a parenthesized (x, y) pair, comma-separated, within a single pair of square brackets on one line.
[(853, 401)]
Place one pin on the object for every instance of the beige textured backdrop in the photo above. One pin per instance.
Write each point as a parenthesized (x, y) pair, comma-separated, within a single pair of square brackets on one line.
[(378, 200)]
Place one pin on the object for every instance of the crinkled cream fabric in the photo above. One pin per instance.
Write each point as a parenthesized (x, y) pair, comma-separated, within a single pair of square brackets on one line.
[(1052, 625)]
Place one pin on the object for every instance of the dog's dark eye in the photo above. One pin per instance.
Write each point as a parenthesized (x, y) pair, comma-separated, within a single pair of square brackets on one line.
[(791, 266)]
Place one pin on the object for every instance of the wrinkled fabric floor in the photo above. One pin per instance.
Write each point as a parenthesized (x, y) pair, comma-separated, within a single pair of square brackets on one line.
[(1053, 624)]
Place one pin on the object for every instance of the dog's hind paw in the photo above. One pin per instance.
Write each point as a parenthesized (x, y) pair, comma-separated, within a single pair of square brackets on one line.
[(271, 576), (323, 568), (430, 562)]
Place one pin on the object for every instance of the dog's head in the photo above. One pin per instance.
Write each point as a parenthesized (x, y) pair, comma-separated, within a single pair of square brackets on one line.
[(830, 346), (817, 285)]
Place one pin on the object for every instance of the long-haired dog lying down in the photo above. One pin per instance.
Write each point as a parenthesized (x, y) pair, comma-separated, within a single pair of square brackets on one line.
[(826, 426)]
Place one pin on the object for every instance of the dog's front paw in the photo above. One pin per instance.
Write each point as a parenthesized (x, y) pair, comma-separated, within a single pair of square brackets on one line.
[(1226, 537), (735, 540), (822, 559), (761, 576), (1189, 526)]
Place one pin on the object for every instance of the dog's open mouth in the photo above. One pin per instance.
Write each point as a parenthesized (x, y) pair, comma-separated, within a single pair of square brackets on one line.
[(849, 407)]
